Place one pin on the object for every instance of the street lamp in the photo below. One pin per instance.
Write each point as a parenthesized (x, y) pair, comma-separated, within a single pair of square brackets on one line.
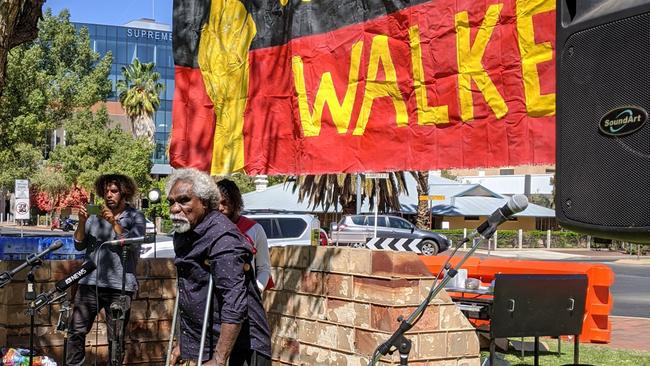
[(154, 197)]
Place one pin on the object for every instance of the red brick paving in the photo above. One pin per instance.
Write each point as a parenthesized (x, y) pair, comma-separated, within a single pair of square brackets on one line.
[(630, 333)]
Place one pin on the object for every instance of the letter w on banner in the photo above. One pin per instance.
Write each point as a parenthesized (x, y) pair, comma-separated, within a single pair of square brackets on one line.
[(324, 86)]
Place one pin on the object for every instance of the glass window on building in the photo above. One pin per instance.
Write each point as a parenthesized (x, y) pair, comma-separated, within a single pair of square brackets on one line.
[(169, 89), (132, 52), (168, 120), (111, 33), (111, 46), (91, 29), (145, 53), (100, 46), (100, 31), (161, 146), (160, 120), (120, 54)]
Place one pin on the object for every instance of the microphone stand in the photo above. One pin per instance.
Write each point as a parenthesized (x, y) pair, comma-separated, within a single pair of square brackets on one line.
[(397, 339), (32, 260), (30, 295), (33, 308), (118, 311), (62, 325)]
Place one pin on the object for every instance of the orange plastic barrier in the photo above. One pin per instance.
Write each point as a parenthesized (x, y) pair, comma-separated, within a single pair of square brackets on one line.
[(596, 327)]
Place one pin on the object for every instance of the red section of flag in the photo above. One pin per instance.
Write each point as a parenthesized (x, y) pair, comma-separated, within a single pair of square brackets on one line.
[(193, 121)]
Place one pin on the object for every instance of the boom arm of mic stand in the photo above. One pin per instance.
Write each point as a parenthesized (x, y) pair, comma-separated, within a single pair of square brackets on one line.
[(395, 340)]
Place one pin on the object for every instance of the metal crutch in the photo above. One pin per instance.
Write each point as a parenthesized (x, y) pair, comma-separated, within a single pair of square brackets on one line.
[(170, 345), (206, 319)]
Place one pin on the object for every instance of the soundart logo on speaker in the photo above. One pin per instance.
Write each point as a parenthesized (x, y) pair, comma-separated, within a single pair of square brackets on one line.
[(623, 121)]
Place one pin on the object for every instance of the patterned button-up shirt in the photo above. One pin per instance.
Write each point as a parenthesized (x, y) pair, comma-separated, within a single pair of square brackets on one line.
[(215, 246)]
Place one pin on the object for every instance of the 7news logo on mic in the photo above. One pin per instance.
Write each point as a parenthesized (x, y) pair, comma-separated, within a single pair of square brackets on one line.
[(75, 276), (61, 286)]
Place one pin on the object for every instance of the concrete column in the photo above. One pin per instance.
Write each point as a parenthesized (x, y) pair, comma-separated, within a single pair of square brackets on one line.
[(589, 242), (548, 239), (521, 238), (495, 239)]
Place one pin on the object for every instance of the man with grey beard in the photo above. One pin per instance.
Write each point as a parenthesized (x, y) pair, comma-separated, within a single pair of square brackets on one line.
[(206, 244)]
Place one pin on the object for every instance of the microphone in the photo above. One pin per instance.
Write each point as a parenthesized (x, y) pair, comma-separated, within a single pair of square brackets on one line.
[(515, 204), (31, 260), (35, 257), (130, 241), (47, 298)]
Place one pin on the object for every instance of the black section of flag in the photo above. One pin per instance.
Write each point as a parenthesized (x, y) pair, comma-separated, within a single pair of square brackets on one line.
[(189, 16), (277, 24)]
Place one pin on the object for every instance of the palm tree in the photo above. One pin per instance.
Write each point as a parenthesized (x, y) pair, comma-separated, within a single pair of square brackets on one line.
[(139, 92), (330, 189), (423, 214)]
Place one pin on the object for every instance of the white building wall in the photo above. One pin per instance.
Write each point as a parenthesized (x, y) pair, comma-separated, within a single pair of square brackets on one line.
[(513, 184)]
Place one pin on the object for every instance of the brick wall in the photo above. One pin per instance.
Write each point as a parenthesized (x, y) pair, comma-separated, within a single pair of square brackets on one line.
[(334, 306), (331, 306), (148, 329)]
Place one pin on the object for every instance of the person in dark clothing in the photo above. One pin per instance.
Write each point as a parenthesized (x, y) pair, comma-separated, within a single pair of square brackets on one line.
[(206, 244), (102, 287)]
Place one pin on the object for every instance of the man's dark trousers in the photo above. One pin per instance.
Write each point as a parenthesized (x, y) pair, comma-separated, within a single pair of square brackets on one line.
[(83, 315)]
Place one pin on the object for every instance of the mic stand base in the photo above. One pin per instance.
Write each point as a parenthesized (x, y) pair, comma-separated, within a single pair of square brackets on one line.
[(118, 311), (31, 313)]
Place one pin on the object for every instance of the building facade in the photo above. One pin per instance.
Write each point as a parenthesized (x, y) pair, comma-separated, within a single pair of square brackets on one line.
[(147, 41)]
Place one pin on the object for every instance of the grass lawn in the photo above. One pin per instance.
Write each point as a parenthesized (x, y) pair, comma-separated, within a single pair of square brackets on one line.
[(591, 354)]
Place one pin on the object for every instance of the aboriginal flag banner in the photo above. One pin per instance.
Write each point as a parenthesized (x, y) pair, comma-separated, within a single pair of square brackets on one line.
[(324, 86)]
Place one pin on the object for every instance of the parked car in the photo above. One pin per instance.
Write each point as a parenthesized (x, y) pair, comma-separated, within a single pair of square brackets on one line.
[(162, 248), (393, 227), (284, 229)]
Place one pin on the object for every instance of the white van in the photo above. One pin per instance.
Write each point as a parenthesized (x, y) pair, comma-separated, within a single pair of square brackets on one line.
[(284, 229)]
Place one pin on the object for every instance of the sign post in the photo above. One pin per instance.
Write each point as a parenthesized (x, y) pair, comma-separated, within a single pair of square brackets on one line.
[(376, 176), (21, 208), (429, 198)]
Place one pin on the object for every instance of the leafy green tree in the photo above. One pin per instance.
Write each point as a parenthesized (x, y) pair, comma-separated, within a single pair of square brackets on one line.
[(19, 163), (46, 82), (160, 209), (139, 93), (93, 148)]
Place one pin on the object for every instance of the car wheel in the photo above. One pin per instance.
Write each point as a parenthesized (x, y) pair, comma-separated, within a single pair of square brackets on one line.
[(429, 247), (358, 245)]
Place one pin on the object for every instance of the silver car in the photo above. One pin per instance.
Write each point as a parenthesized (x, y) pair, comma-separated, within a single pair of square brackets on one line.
[(392, 227)]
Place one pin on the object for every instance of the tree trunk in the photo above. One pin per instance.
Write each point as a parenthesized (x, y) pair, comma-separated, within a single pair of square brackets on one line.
[(350, 207), (18, 24), (423, 214), (143, 126)]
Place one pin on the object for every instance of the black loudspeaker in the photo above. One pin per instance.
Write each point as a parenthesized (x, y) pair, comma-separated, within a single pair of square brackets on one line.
[(603, 132)]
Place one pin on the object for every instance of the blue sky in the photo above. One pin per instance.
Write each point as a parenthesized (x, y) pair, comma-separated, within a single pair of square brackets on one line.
[(113, 12)]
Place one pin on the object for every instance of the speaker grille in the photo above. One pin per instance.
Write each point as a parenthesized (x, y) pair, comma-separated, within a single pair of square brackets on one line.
[(604, 180)]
